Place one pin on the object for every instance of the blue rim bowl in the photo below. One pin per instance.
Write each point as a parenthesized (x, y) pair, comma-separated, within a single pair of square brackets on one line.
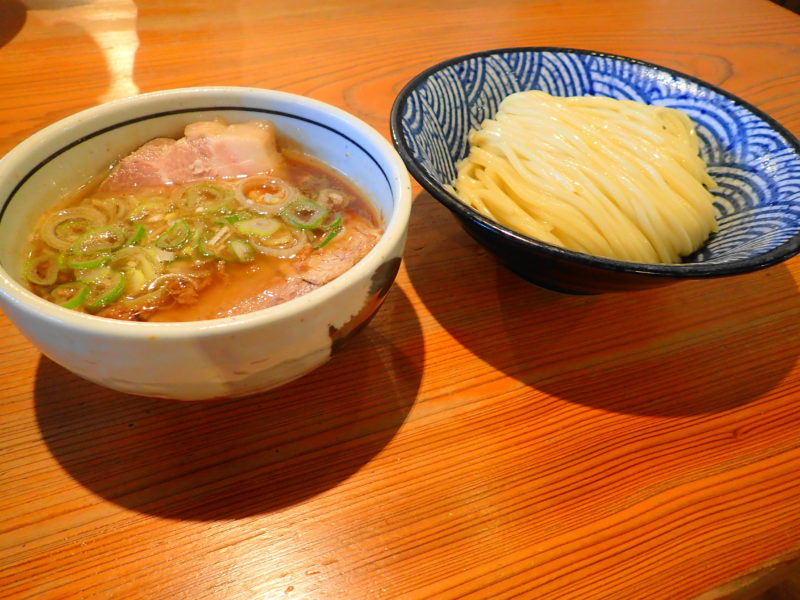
[(754, 160)]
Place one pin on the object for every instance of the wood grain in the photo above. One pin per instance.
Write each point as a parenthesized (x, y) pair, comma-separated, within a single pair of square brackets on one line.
[(483, 438)]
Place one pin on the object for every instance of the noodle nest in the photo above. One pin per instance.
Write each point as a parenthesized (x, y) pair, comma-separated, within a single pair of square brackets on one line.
[(612, 178)]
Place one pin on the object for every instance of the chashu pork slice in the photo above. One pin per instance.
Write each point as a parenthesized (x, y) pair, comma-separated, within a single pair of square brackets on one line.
[(208, 150), (326, 264), (312, 270)]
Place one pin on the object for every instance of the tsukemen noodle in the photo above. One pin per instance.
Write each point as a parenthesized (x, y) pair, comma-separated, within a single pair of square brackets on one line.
[(613, 178)]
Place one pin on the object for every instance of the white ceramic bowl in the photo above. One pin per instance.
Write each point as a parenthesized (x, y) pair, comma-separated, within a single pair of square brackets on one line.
[(234, 356)]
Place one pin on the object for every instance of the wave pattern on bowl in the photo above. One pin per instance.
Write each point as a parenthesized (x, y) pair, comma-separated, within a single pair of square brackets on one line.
[(756, 166)]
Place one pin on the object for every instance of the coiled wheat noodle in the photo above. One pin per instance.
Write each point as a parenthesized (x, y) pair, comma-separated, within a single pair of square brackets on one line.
[(613, 178)]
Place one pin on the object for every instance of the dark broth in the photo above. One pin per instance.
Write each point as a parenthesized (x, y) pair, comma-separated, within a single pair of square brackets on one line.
[(188, 252)]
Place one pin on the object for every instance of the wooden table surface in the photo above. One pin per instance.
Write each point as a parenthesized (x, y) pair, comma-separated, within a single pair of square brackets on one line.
[(483, 438)]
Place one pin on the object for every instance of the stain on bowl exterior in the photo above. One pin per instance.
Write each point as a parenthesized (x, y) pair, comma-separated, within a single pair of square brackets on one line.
[(380, 283)]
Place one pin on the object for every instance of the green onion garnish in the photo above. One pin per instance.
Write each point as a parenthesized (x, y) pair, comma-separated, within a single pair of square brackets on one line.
[(304, 214), (262, 227), (242, 250), (105, 286), (206, 198), (70, 295), (82, 261), (136, 235), (332, 230), (101, 239), (175, 237), (42, 270)]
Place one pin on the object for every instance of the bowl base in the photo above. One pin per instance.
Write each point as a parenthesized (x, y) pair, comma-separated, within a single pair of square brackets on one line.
[(549, 286)]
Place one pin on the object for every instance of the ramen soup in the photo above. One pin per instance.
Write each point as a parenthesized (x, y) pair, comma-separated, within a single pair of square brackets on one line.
[(214, 224)]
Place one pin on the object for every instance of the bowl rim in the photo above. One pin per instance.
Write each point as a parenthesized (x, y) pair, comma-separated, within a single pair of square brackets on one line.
[(778, 254), (396, 220)]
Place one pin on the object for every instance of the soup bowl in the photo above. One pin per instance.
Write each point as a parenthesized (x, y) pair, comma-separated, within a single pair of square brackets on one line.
[(196, 360), (753, 159)]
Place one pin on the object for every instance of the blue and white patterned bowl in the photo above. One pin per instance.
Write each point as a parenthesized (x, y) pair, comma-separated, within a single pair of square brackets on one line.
[(755, 161)]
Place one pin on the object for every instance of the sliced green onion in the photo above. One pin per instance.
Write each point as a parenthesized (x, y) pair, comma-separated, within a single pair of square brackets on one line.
[(70, 295), (197, 231), (333, 221), (243, 251), (151, 210), (139, 265), (262, 227), (235, 217), (304, 214), (135, 234), (94, 248), (105, 286), (175, 237), (61, 230), (119, 249), (42, 270), (264, 194), (102, 239), (204, 250), (114, 209), (205, 198), (84, 261), (135, 282), (287, 247), (139, 258), (332, 231), (283, 237)]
